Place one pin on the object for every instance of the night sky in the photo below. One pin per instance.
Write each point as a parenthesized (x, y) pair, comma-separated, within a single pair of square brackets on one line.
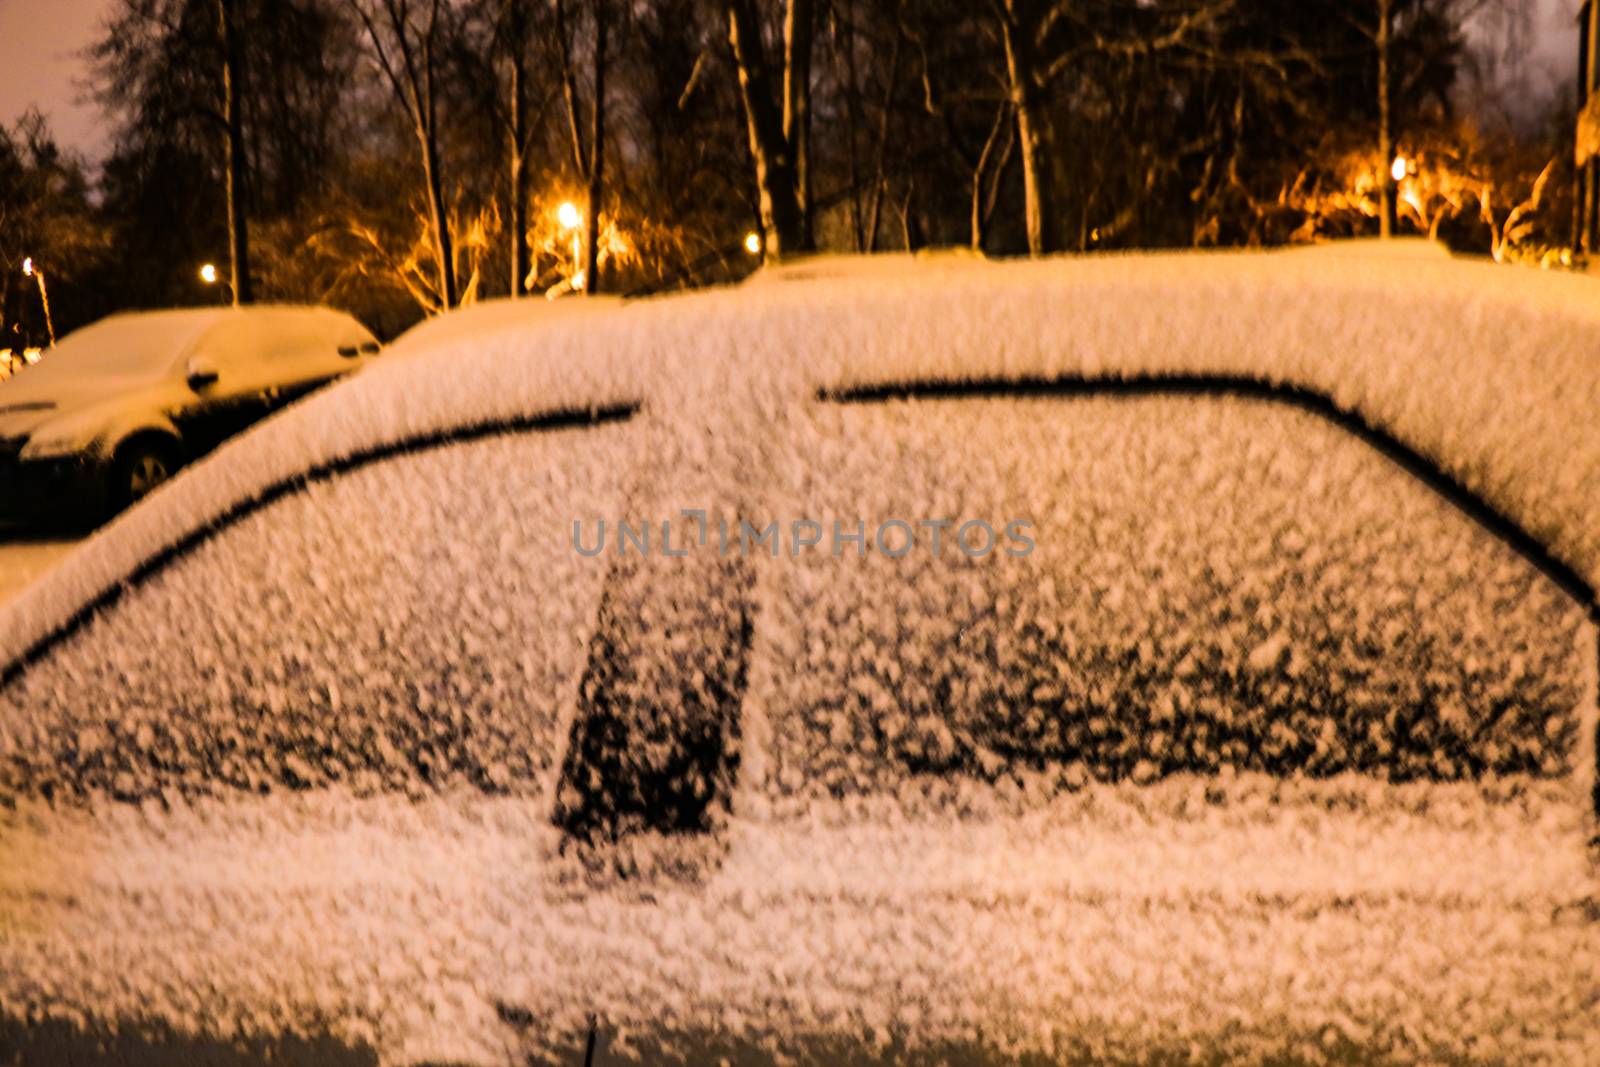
[(40, 39)]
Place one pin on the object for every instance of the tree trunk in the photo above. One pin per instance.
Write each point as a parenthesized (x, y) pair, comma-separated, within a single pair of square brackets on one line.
[(569, 89), (777, 179), (438, 208), (799, 32), (516, 144), (597, 156), (980, 180), (1386, 182), (1033, 136), (232, 90), (439, 218), (879, 179), (852, 113)]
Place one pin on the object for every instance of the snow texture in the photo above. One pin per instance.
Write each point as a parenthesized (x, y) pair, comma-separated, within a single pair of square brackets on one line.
[(134, 344), (23, 562), (1214, 583), (1266, 754), (479, 323)]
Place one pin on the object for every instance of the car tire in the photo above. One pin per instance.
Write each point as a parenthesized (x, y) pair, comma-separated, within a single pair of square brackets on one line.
[(140, 467)]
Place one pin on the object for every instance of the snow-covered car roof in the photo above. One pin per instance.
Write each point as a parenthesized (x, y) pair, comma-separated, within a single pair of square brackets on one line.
[(152, 341), (480, 321), (1492, 374)]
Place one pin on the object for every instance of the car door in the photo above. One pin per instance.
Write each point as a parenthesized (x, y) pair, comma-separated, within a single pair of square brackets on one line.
[(355, 695), (1206, 731), (1135, 586), (263, 359), (229, 377), (310, 347)]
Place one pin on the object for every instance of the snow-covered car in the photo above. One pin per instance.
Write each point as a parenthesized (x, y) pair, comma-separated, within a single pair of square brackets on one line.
[(606, 686), (115, 408), (478, 321)]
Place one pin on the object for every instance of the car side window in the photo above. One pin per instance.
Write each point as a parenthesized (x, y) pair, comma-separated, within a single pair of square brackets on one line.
[(416, 622), (266, 347), (1209, 582), (238, 342)]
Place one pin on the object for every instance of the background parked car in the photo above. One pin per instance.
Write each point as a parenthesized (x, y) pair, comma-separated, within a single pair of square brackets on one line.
[(474, 323), (115, 408), (1275, 748)]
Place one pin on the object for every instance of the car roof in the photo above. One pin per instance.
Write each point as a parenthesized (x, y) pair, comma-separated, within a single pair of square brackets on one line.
[(186, 327), (1489, 373), (476, 322), (200, 318), (174, 329)]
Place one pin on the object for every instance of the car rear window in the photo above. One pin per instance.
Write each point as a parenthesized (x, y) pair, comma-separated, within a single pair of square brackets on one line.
[(1211, 584)]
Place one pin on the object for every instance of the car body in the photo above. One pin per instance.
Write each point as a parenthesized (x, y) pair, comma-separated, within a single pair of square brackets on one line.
[(1265, 736), (117, 406)]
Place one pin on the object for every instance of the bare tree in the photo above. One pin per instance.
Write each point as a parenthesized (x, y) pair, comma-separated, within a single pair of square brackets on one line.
[(405, 38), (1026, 75), (1043, 40), (519, 136), (1386, 182), (779, 127), (588, 149), (1408, 37), (232, 91), (45, 215)]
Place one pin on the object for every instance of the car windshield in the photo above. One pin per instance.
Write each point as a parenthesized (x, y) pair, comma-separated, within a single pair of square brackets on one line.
[(138, 347)]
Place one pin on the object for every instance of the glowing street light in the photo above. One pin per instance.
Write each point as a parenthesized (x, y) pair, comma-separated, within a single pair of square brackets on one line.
[(210, 275), (30, 271), (752, 243), (1399, 169), (571, 218)]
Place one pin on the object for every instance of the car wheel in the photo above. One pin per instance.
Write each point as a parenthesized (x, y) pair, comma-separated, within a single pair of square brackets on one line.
[(140, 467)]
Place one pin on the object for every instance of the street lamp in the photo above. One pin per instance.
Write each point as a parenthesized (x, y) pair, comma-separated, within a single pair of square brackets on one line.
[(752, 243), (30, 271), (1399, 169), (210, 275)]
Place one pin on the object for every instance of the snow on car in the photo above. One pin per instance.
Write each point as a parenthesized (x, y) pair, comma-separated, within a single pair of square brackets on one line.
[(607, 674), (115, 408), (22, 562), (479, 321)]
